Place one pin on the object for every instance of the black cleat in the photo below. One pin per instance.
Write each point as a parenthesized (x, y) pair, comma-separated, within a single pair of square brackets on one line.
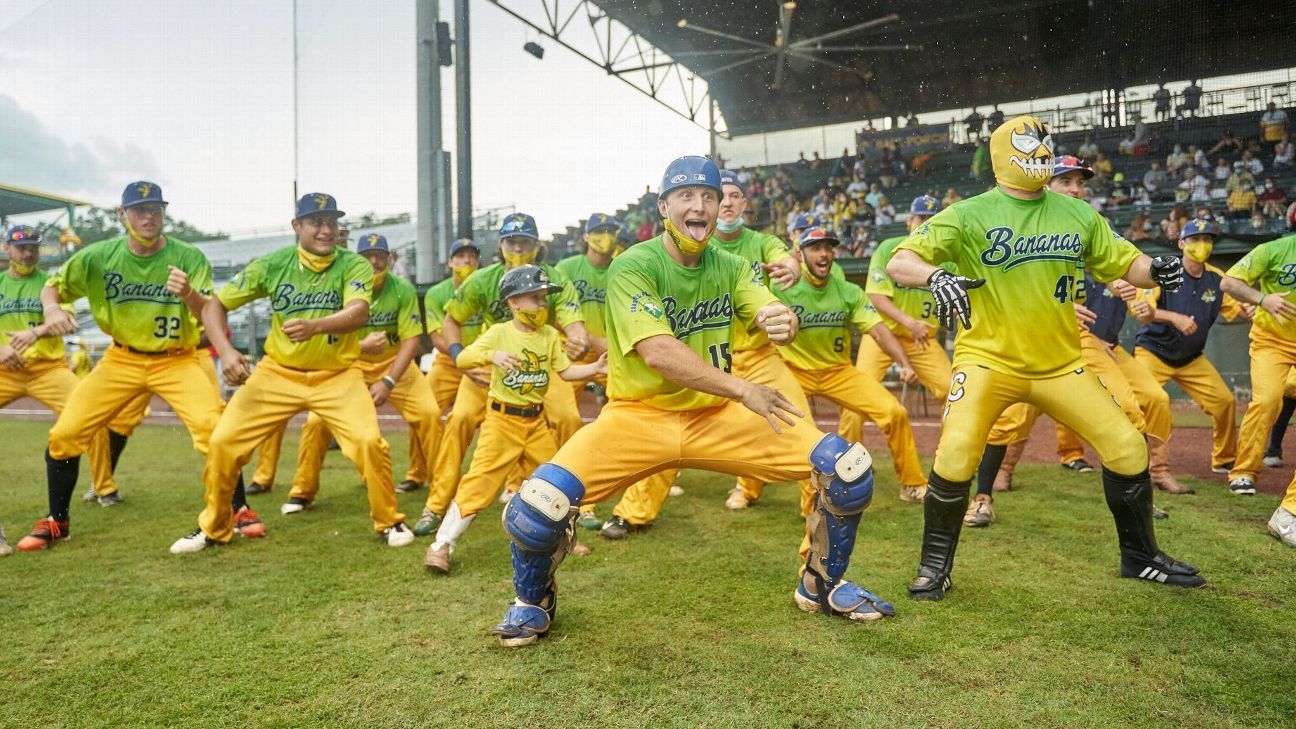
[(408, 486), (1164, 569), (615, 528), (929, 585), (1079, 465), (256, 488)]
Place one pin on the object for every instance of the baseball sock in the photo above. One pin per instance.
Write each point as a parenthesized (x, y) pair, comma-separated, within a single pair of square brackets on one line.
[(991, 460), (1279, 429), (116, 444), (240, 496), (61, 476)]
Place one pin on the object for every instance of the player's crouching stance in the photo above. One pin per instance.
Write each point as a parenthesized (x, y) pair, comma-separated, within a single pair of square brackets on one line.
[(1024, 248), (672, 304)]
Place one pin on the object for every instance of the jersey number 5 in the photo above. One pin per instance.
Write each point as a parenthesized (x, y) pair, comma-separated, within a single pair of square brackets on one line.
[(720, 357), (168, 327)]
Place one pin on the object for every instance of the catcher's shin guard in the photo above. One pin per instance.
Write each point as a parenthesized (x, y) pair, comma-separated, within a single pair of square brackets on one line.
[(540, 521), (943, 511), (1130, 501), (843, 474)]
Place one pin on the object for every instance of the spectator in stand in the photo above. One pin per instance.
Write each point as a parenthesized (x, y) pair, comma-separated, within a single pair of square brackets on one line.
[(1102, 166), (1120, 194), (911, 120), (885, 214), (974, 122), (1126, 145), (1140, 229), (1204, 212), (1154, 181), (1241, 176), (1273, 199), (802, 161), (981, 161), (1161, 97), (1197, 157), (996, 119), (1241, 202), (857, 185), (1197, 186), (1176, 160), (1192, 94), (1283, 152), (1291, 217), (843, 165), (1222, 170), (1273, 123), (1253, 164), (864, 216), (1088, 149), (1173, 223), (951, 196), (821, 199), (1258, 222), (875, 197), (817, 162), (860, 167), (1228, 144)]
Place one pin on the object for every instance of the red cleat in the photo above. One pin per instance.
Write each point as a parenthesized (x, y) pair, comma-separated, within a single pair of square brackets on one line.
[(44, 533), (248, 524)]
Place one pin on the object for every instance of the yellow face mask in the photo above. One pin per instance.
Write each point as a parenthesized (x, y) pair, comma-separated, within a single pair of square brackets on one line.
[(379, 279), (513, 260), (686, 244), (1021, 153), (461, 273), (534, 318), (601, 243), (146, 242), (1199, 252), (813, 279), (315, 262), (20, 269)]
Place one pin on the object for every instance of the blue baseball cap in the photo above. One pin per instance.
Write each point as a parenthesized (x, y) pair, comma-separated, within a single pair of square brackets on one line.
[(461, 244), (924, 205), (729, 177), (23, 235), (817, 234), (599, 220), (1198, 226), (140, 192), (519, 224), (803, 221), (1071, 163), (317, 202), (372, 242), (690, 170)]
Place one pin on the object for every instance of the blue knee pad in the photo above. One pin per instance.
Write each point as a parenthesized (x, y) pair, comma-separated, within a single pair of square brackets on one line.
[(845, 475), (536, 517)]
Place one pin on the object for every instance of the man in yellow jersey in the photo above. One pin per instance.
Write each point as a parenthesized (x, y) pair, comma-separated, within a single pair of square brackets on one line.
[(673, 305), (320, 297), (388, 341), (526, 354), (819, 357), (478, 297), (588, 273), (1024, 247), (145, 289), (1266, 278)]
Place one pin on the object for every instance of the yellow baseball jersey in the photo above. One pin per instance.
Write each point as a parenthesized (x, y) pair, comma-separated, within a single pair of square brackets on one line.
[(1271, 268), (479, 296), (1032, 254), (649, 294), (128, 293), (590, 282), (541, 354), (394, 312), (755, 248), (827, 313), (20, 308), (434, 304), (296, 292), (918, 303)]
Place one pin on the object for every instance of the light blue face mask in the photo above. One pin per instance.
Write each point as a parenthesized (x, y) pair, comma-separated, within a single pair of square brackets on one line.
[(733, 227)]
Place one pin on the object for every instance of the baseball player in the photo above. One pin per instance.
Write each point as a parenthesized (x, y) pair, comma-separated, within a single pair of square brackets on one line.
[(673, 305), (145, 289), (588, 273), (1026, 246), (388, 341), (79, 359), (1171, 345), (478, 296), (320, 297), (1266, 277), (1273, 450), (819, 357), (526, 353)]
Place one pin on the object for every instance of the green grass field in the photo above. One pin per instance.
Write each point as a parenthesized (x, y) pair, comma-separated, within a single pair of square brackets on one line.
[(688, 624)]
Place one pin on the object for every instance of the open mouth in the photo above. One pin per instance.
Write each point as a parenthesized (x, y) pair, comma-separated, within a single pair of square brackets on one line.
[(696, 227)]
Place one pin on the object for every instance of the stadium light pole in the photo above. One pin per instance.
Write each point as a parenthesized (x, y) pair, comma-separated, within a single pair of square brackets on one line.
[(463, 120), (433, 232)]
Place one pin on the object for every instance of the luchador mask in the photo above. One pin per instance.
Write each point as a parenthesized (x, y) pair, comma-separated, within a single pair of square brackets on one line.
[(1021, 152)]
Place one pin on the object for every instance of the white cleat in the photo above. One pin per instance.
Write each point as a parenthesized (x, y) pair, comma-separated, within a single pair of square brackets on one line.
[(294, 506), (1273, 461), (397, 535), (737, 499), (197, 541), (1283, 526)]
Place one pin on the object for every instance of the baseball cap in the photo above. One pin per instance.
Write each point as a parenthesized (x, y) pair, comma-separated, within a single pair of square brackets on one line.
[(802, 221), (599, 220), (372, 242), (519, 224), (461, 244), (140, 192), (1198, 226), (729, 177), (924, 205), (817, 234), (317, 202), (1071, 163), (23, 235), (690, 170)]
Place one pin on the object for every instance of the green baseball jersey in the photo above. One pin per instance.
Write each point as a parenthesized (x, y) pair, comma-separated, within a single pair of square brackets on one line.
[(434, 304), (1032, 254), (128, 292), (1271, 268), (650, 294), (591, 287), (918, 303), (479, 296), (296, 292), (540, 358), (755, 248), (393, 311), (20, 308), (836, 271), (827, 313)]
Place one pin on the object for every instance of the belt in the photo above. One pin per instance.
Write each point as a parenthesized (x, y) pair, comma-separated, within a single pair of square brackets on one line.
[(163, 353), (500, 407)]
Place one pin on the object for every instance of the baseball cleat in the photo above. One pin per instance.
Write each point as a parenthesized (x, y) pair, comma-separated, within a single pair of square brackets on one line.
[(396, 535), (408, 486), (522, 625), (1242, 486), (589, 520), (1222, 468), (5, 549), (675, 490), (44, 533), (90, 495), (1158, 513), (1273, 461), (196, 541), (112, 499), (427, 523), (437, 558), (737, 499), (1282, 525), (929, 585), (294, 505), (1079, 465), (257, 488), (615, 528), (980, 513), (913, 494), (1163, 569), (248, 524), (847, 600)]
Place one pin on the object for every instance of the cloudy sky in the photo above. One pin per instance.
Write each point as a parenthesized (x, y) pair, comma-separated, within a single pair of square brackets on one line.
[(197, 96)]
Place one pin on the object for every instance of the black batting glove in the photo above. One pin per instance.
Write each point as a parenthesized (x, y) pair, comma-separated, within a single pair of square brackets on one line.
[(1167, 271), (952, 305)]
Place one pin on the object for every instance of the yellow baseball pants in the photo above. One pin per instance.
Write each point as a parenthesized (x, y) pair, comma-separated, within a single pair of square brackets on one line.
[(267, 466), (1076, 399), (931, 363), (764, 366), (271, 397), (52, 383), (1272, 359), (443, 380), (1204, 385), (412, 399), (507, 442)]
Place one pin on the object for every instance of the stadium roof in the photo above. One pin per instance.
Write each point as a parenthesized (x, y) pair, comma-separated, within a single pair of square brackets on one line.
[(973, 54), (17, 201)]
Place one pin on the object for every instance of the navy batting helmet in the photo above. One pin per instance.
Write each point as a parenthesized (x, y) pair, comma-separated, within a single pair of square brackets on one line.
[(691, 170), (524, 280)]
